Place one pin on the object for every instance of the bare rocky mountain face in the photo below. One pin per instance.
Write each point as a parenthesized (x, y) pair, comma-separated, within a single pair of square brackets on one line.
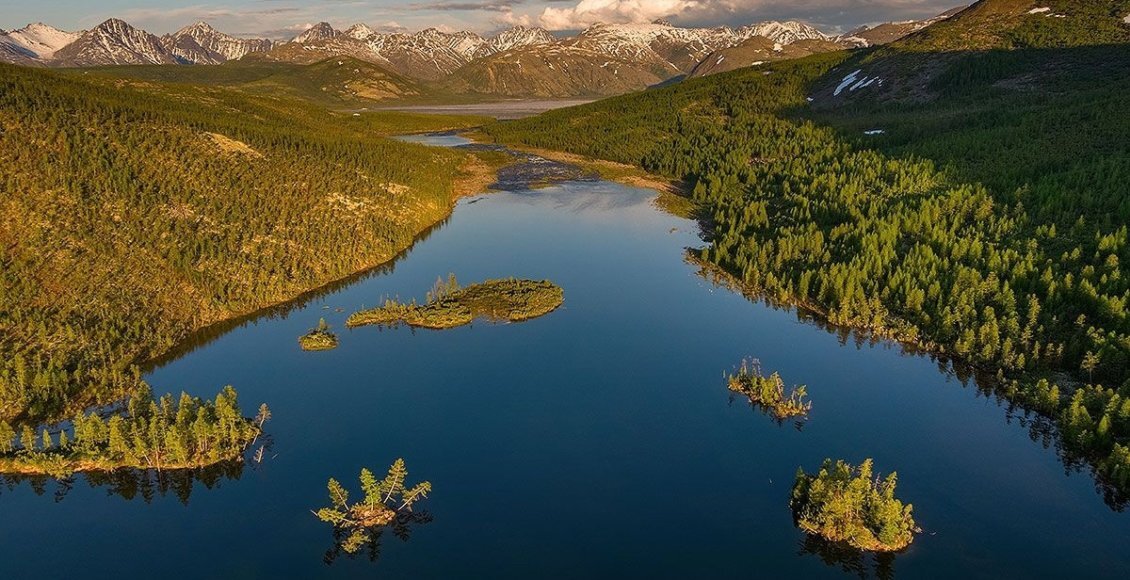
[(202, 44), (604, 59), (772, 42), (608, 59), (114, 42), (426, 55)]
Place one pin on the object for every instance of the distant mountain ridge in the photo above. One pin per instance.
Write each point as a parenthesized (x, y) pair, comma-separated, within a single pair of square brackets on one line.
[(114, 42), (429, 54), (38, 40), (202, 44), (522, 61)]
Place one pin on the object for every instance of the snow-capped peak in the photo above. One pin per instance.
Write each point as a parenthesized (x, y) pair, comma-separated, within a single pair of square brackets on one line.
[(783, 32), (319, 32), (360, 31), (200, 43), (199, 26), (41, 39), (197, 31), (517, 37), (114, 42)]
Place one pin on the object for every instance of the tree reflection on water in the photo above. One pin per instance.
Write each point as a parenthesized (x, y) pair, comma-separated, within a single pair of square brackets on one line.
[(401, 527), (131, 484)]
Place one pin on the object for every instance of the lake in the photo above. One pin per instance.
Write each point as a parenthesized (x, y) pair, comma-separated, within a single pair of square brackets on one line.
[(599, 440)]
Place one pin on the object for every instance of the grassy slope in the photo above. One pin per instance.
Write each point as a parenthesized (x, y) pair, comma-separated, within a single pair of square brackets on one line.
[(132, 213), (339, 82)]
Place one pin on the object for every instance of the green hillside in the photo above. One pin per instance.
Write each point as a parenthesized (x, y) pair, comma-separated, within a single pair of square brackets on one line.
[(336, 82), (922, 65), (1009, 24), (986, 223), (133, 213), (535, 73)]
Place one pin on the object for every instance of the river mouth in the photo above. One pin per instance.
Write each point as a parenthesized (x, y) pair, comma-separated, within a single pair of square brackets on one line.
[(526, 172), (598, 440)]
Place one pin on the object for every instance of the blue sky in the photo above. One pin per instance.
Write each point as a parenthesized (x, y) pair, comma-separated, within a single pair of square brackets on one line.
[(284, 18)]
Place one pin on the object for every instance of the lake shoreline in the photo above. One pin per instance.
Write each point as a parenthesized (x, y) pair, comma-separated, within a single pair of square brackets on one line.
[(476, 174)]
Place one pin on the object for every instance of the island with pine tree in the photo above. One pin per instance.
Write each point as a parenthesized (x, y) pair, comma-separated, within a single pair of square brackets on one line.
[(448, 305), (160, 434)]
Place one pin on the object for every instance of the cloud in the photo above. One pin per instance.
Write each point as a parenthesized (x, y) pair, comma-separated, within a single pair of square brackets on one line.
[(502, 11), (711, 12), (509, 19), (480, 5), (588, 12)]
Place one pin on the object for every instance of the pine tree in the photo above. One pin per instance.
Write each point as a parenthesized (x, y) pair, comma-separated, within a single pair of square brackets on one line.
[(27, 438), (1090, 363), (7, 437)]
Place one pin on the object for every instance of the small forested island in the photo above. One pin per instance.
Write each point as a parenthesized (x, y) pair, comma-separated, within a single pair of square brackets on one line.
[(385, 501), (151, 434), (448, 305), (848, 504), (768, 393), (319, 338)]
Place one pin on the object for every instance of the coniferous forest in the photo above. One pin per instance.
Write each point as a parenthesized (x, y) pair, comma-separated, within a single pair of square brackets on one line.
[(985, 221), (134, 213), (946, 208)]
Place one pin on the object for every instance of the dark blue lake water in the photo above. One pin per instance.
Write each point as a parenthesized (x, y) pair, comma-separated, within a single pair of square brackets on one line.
[(599, 440)]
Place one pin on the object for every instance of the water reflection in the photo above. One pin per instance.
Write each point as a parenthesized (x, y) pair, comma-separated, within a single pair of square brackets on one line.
[(207, 335), (796, 422), (132, 484), (401, 528), (848, 559), (1042, 430)]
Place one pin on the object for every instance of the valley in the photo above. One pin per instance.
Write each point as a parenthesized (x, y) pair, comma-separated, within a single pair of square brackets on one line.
[(518, 62), (738, 271), (629, 386)]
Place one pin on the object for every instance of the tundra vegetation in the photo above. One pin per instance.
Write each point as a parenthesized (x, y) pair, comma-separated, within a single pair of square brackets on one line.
[(768, 393), (848, 504), (385, 502), (448, 305)]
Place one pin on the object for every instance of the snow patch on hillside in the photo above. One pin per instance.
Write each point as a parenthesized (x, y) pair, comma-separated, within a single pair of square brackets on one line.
[(847, 82), (853, 83)]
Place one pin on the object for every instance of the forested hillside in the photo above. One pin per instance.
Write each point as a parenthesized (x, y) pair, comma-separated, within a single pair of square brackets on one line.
[(988, 223), (337, 82), (134, 213)]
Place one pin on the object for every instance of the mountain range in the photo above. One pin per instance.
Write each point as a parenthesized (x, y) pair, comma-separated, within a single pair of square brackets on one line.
[(522, 61)]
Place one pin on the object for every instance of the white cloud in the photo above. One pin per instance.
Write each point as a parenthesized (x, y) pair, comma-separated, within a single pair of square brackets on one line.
[(508, 18), (588, 12), (696, 12)]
